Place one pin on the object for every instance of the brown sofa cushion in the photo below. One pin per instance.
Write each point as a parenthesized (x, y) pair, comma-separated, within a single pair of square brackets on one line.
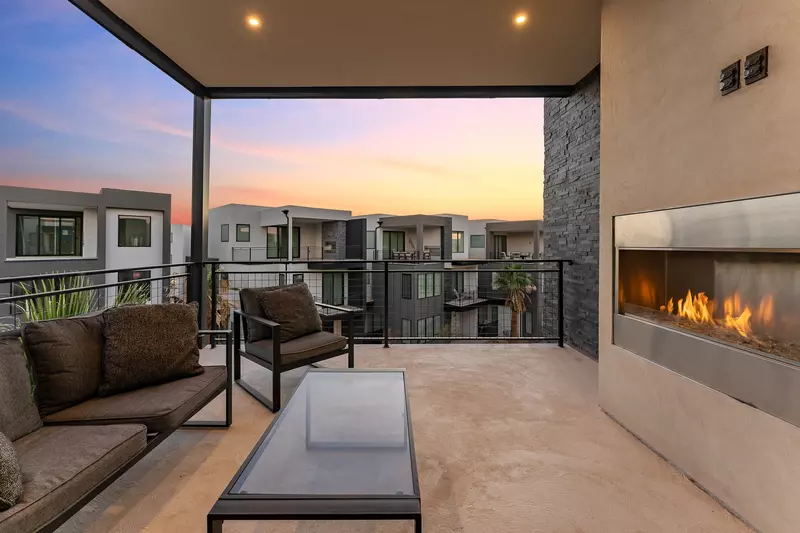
[(251, 305), (66, 356), (18, 412), (148, 344), (293, 308), (10, 475), (159, 407), (300, 349), (62, 464)]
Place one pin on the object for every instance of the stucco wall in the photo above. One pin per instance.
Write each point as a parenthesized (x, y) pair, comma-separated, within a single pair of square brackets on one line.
[(670, 139)]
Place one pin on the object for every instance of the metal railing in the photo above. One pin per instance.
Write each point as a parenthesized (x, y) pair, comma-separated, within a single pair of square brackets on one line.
[(414, 301), (303, 253), (73, 293), (395, 301)]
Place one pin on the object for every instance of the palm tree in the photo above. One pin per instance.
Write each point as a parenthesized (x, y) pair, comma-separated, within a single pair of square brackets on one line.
[(517, 284)]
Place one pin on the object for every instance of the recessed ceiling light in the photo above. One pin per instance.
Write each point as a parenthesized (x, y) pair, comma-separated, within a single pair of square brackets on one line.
[(520, 19), (253, 21)]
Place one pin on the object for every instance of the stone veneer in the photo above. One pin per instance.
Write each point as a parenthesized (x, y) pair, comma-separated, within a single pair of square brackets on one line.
[(572, 204)]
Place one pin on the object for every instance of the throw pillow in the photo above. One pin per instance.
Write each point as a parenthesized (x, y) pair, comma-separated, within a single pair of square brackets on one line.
[(293, 308), (251, 305), (66, 355), (18, 412), (147, 345), (10, 475)]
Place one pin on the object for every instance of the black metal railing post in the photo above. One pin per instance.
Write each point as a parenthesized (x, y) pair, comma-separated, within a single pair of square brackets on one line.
[(214, 325), (386, 304), (561, 304)]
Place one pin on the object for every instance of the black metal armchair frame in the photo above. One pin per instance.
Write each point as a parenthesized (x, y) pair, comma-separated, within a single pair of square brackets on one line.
[(277, 366)]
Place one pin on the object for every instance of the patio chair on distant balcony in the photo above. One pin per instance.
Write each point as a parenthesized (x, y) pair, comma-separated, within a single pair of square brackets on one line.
[(282, 331)]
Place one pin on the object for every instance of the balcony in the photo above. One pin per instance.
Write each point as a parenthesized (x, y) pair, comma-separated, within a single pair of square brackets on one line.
[(516, 443), (505, 433)]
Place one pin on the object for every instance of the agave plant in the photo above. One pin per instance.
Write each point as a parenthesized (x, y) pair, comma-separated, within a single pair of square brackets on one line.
[(132, 294), (51, 306), (517, 284)]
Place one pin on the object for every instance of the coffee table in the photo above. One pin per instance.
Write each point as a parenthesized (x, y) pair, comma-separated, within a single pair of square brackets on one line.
[(341, 449)]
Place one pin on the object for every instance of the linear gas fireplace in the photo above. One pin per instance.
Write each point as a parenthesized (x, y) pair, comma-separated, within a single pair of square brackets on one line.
[(713, 292)]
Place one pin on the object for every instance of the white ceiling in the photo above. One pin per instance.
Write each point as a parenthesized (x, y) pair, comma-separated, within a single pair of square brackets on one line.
[(372, 43)]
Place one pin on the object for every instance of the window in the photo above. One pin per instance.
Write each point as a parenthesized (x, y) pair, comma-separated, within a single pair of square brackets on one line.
[(225, 230), (477, 241), (333, 288), (429, 327), (278, 242), (458, 282), (242, 232), (133, 232), (429, 285), (39, 235), (405, 326), (370, 240), (297, 278), (500, 246), (458, 242), (393, 241), (407, 286)]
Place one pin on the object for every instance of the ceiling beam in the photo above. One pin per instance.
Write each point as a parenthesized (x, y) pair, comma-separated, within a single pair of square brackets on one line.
[(134, 40), (389, 92)]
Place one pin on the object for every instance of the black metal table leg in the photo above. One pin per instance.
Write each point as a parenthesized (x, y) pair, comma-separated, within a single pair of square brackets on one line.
[(214, 526)]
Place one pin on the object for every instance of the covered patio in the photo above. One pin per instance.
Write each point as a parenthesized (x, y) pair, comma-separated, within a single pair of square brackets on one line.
[(509, 438)]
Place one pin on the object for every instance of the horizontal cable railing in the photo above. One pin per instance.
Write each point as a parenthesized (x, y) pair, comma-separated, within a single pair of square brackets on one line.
[(414, 301), (393, 301)]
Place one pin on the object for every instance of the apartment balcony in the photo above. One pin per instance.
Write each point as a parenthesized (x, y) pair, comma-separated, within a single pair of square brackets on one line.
[(508, 432), (508, 438)]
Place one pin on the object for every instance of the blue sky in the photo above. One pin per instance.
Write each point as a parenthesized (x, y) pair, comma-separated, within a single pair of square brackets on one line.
[(80, 111)]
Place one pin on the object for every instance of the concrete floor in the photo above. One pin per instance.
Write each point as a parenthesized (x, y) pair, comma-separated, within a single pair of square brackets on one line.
[(509, 438)]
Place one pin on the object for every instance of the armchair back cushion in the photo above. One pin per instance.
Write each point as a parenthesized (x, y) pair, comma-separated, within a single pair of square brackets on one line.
[(10, 475), (147, 345), (18, 412), (251, 305), (294, 309), (66, 355)]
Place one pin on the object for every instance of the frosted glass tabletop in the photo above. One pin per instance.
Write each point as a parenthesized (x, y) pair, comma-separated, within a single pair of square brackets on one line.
[(342, 433)]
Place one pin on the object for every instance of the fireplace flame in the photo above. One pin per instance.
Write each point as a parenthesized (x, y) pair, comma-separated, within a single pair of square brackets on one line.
[(737, 316)]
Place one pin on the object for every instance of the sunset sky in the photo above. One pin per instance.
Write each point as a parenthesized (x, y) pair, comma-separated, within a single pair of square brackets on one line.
[(80, 111)]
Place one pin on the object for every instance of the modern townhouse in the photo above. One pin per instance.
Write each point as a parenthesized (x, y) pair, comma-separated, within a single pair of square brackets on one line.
[(49, 231)]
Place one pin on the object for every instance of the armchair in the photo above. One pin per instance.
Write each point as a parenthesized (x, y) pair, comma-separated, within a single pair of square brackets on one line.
[(263, 346)]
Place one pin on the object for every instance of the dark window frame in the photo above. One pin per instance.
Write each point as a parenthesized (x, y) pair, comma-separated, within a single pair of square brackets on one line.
[(296, 280), (388, 236), (121, 237), (406, 286), (458, 242), (479, 236), (77, 240), (280, 236), (225, 233), (332, 299), (240, 227)]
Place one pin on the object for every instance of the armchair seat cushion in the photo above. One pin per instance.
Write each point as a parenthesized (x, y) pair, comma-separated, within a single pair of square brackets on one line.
[(159, 407), (300, 349), (60, 465)]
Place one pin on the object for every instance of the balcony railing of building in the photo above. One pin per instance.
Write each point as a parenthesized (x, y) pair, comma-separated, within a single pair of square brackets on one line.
[(301, 253), (415, 301), (394, 301), (65, 294)]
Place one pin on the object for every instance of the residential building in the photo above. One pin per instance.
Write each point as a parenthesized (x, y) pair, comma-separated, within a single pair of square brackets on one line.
[(524, 238), (48, 231)]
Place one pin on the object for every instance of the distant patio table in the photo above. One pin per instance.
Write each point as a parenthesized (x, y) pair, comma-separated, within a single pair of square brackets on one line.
[(341, 449)]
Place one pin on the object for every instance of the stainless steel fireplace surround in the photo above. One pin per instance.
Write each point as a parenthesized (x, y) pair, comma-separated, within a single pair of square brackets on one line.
[(712, 292)]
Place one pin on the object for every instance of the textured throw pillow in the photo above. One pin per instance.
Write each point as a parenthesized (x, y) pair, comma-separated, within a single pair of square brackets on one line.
[(293, 308), (10, 475), (18, 412), (147, 345), (66, 355), (251, 305)]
